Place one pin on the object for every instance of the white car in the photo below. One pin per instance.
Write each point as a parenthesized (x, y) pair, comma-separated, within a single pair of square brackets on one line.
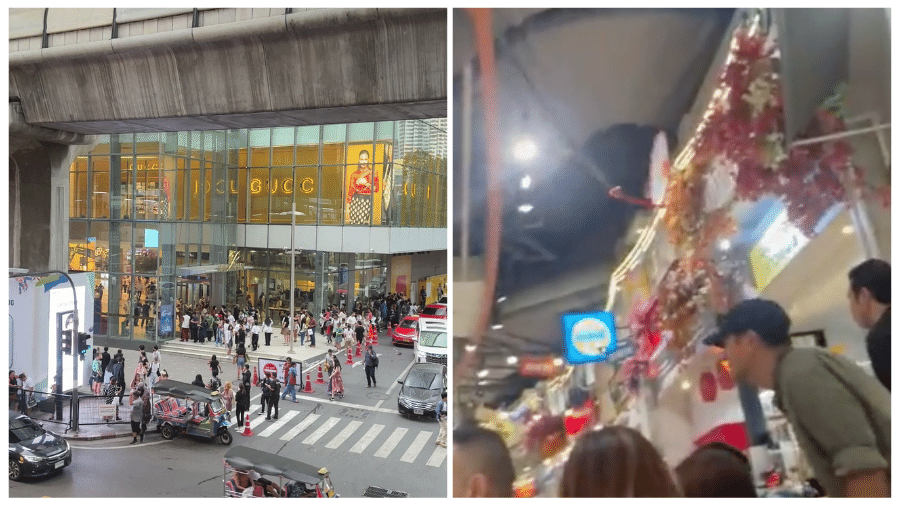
[(431, 341)]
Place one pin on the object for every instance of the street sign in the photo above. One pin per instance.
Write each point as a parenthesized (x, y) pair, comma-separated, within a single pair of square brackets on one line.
[(106, 410)]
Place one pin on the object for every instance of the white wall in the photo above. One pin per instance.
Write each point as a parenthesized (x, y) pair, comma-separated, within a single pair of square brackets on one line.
[(381, 240)]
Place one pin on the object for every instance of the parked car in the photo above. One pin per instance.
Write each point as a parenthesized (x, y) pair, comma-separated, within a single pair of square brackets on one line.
[(405, 333), (421, 389), (434, 311), (34, 451), (431, 341)]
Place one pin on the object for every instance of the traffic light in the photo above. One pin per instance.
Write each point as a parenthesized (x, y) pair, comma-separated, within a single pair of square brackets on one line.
[(83, 345), (66, 342)]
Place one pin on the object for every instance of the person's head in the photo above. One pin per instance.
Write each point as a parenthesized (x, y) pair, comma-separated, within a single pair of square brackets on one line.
[(716, 470), (228, 386), (139, 391), (22, 376), (364, 159), (330, 352), (631, 467), (247, 367), (482, 466), (106, 349), (141, 347), (870, 291), (164, 374), (444, 395), (199, 378), (754, 334), (155, 348), (213, 358), (113, 380), (337, 366), (12, 374)]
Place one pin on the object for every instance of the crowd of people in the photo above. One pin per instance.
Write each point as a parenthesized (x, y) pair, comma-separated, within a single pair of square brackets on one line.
[(839, 413)]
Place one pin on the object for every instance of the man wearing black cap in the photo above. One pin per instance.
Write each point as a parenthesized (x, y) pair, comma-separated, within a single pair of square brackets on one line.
[(870, 306), (840, 414)]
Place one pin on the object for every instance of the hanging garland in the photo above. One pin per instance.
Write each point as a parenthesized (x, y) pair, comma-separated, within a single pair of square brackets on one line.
[(689, 286)]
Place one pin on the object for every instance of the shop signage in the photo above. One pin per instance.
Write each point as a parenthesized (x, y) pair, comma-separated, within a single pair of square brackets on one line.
[(778, 246), (589, 337), (624, 351), (537, 367)]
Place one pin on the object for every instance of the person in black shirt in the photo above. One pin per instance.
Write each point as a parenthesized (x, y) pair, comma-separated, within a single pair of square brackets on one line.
[(105, 359), (870, 306)]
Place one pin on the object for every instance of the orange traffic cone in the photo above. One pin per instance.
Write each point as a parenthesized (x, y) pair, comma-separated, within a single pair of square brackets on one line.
[(247, 431), (320, 380), (375, 339), (349, 355), (255, 377), (358, 354), (308, 389)]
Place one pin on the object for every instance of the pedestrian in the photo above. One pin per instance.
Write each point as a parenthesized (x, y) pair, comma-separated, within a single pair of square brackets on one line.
[(848, 448), (229, 340), (228, 396), (348, 337), (254, 332), (290, 380), (286, 328), (210, 326), (96, 374), (119, 373), (266, 394), (137, 415), (870, 306), (105, 359), (267, 329), (482, 466), (370, 362), (295, 328), (163, 375), (213, 366), (203, 328), (242, 403), (360, 333), (157, 359), (716, 470), (198, 381), (274, 389), (245, 379), (185, 327), (13, 389), (145, 419), (632, 467), (220, 333), (441, 414), (311, 331), (26, 394), (337, 382), (329, 368), (241, 358), (194, 327), (112, 390)]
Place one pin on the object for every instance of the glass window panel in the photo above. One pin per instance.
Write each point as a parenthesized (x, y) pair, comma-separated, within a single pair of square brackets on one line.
[(208, 192), (81, 253), (384, 131), (283, 136), (304, 187), (333, 138), (259, 157), (126, 184), (308, 155), (146, 252), (260, 138), (308, 135), (259, 196), (331, 204), (182, 193), (240, 184), (102, 147), (196, 188), (280, 186), (125, 143), (242, 157), (361, 132), (282, 156)]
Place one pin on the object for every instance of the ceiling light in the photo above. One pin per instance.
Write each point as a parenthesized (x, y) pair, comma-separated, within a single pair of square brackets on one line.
[(685, 385), (471, 347), (558, 362), (526, 182), (497, 326), (724, 245), (848, 229), (502, 299), (512, 360), (525, 150), (483, 373), (525, 208)]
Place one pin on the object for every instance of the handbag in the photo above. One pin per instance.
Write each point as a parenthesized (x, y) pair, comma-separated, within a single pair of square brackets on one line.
[(32, 402)]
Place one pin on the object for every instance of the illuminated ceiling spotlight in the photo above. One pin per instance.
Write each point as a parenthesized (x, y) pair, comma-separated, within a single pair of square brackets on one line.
[(525, 150), (847, 229), (471, 347), (526, 182), (501, 299), (512, 360), (724, 245), (558, 362), (483, 373), (497, 326), (685, 385), (525, 208)]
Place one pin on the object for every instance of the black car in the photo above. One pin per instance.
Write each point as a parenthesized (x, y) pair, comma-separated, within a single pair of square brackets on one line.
[(422, 388), (34, 451)]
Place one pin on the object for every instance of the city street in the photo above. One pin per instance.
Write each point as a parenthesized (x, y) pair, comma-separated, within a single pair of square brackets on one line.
[(361, 439)]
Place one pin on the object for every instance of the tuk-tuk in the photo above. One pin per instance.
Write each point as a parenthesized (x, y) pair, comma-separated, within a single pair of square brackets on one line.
[(245, 467), (182, 408)]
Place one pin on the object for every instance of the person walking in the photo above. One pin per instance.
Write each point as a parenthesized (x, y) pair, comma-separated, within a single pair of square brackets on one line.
[(26, 394), (441, 415), (267, 330), (274, 389), (13, 390), (228, 396), (360, 333), (254, 332), (195, 327), (290, 380), (848, 448), (241, 361), (266, 394), (156, 360), (311, 330), (96, 374), (137, 415), (185, 327), (105, 359), (370, 362), (213, 366), (870, 306), (329, 368), (242, 402), (337, 381), (145, 419), (245, 379), (112, 390), (229, 339)]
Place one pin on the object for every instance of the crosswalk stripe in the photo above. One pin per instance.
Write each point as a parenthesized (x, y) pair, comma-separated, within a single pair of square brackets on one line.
[(255, 422), (321, 431), (391, 442), (300, 427), (367, 439), (413, 451), (285, 418), (343, 435), (437, 457)]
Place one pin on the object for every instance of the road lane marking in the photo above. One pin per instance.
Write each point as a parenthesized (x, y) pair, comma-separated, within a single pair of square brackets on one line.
[(394, 384), (437, 457), (254, 422), (324, 399), (285, 418), (291, 434), (416, 447), (343, 435), (136, 445), (321, 431), (391, 443), (367, 439)]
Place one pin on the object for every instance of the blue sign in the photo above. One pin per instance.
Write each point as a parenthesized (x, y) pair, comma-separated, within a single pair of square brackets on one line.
[(165, 319), (589, 337)]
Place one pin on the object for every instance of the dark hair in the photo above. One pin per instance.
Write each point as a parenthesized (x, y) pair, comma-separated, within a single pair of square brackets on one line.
[(366, 151), (874, 275), (616, 462), (488, 454), (716, 470)]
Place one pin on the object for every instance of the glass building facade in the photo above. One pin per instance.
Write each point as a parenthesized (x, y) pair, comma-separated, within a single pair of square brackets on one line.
[(182, 215)]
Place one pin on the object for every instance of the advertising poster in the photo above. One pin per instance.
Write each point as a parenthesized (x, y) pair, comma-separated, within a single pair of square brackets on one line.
[(589, 337), (265, 365), (364, 183), (401, 274)]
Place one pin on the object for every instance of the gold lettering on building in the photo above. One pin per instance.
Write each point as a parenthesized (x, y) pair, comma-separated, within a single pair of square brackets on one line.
[(255, 186)]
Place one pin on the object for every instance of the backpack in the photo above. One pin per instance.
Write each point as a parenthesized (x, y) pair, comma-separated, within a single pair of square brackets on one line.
[(375, 360), (293, 376)]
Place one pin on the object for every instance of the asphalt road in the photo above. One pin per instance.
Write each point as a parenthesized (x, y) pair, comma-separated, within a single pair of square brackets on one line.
[(361, 439)]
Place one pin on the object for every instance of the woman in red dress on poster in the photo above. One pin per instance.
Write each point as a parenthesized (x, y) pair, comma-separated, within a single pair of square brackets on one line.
[(363, 182)]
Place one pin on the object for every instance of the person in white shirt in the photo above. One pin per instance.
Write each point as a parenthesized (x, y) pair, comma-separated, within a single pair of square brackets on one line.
[(26, 393), (352, 320), (186, 327)]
